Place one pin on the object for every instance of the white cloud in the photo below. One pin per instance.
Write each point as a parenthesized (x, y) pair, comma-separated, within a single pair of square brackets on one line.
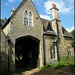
[(33, 0), (6, 3), (38, 2), (45, 17), (63, 6), (69, 29), (11, 0)]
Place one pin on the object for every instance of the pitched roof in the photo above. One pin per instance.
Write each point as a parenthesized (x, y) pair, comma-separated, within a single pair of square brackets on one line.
[(50, 33), (46, 24), (6, 23), (11, 16), (66, 33), (15, 12)]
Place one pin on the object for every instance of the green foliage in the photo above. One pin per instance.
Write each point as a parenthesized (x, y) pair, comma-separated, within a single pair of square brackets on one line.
[(64, 61), (68, 59), (73, 42), (47, 66), (72, 67), (18, 53), (2, 22), (57, 65), (72, 32), (12, 73)]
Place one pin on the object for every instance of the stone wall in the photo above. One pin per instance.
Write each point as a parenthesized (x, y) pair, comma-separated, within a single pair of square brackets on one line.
[(48, 40), (6, 29), (67, 42), (18, 29), (4, 53)]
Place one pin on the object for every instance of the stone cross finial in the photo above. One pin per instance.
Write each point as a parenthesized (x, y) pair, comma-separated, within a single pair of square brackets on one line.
[(12, 11), (53, 5), (13, 8)]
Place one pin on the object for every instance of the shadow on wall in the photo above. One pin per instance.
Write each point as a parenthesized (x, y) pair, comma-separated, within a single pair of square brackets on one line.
[(4, 53), (26, 53), (4, 62), (6, 58)]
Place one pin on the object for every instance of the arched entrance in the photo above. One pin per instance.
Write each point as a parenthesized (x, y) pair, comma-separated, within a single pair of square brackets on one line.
[(26, 52)]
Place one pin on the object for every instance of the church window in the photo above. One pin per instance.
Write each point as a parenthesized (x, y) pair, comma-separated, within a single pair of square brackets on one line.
[(68, 50), (52, 51), (30, 19), (26, 18)]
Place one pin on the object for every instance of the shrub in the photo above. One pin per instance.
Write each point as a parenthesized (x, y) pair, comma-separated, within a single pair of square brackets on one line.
[(67, 59), (10, 73), (64, 61), (47, 66)]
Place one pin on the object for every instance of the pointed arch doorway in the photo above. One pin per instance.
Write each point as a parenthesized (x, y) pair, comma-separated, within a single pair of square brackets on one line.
[(27, 52)]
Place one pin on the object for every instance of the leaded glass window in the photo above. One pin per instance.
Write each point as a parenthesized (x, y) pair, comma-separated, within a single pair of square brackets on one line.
[(30, 19), (26, 18), (52, 51), (69, 50)]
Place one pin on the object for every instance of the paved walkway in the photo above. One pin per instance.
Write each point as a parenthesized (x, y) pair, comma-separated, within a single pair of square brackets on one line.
[(48, 71)]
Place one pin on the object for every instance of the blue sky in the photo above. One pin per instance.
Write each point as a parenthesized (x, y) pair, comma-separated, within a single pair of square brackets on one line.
[(66, 10)]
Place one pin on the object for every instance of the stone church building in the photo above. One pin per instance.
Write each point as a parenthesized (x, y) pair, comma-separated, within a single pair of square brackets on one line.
[(30, 41)]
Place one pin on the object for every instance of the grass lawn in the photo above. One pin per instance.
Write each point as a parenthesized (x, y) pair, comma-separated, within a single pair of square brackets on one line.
[(10, 73), (64, 61)]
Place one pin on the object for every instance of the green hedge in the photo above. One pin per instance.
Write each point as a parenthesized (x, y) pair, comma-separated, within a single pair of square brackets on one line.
[(67, 59), (64, 61), (10, 73)]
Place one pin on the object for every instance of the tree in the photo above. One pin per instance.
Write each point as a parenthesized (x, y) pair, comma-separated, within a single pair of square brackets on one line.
[(3, 21), (73, 36)]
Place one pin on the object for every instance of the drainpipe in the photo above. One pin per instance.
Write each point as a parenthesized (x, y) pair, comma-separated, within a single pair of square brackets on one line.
[(44, 50), (55, 16), (57, 40), (8, 38)]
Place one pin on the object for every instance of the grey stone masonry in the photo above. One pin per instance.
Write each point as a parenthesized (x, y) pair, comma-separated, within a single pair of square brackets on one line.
[(53, 41), (4, 53), (56, 24), (19, 29)]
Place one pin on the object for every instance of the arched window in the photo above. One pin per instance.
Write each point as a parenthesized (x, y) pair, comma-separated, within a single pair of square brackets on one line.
[(26, 18), (52, 51), (30, 19), (69, 50)]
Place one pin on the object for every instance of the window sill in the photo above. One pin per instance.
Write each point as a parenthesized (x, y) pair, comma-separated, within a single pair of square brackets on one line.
[(29, 25)]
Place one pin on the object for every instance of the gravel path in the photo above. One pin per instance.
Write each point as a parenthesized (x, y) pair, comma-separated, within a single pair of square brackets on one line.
[(49, 71)]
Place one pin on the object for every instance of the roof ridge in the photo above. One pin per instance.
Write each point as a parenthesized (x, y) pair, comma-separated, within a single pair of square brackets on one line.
[(45, 19)]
